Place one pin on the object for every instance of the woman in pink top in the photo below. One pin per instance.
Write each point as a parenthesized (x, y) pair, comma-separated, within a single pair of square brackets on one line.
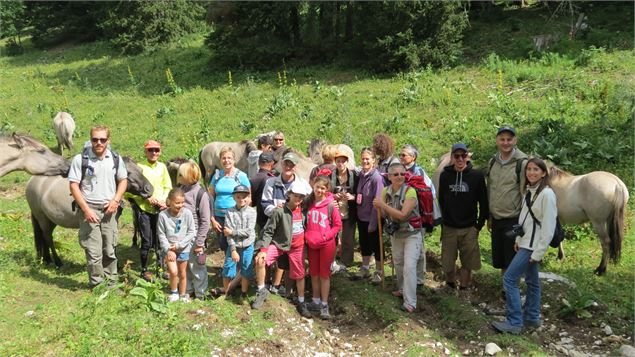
[(323, 225)]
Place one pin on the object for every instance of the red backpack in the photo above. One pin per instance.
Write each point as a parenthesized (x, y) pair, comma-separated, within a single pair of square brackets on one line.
[(425, 202)]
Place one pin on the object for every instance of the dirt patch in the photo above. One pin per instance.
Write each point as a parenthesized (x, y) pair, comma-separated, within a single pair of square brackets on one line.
[(13, 192)]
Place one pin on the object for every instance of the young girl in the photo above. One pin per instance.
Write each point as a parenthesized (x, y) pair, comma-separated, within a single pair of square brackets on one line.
[(538, 220), (176, 232), (240, 230), (323, 224)]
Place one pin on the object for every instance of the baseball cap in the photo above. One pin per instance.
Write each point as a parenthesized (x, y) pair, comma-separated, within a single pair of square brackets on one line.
[(341, 154), (291, 157), (459, 146), (300, 188), (506, 128), (241, 189), (265, 157), (152, 144)]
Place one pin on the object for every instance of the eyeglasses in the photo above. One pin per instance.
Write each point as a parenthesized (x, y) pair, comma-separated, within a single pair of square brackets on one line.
[(100, 140), (404, 155), (154, 150), (397, 174), (178, 226), (460, 156)]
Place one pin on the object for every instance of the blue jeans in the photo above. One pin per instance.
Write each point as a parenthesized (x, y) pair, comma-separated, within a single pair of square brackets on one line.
[(518, 267)]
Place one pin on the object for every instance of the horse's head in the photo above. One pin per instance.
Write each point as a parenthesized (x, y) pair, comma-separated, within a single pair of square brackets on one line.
[(173, 168), (137, 183), (315, 150), (22, 152)]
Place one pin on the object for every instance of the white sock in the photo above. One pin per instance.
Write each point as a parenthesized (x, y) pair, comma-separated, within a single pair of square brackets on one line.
[(300, 299), (317, 301), (261, 287), (325, 303)]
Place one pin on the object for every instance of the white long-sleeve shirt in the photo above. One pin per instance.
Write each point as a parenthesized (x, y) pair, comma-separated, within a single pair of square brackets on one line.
[(546, 211)]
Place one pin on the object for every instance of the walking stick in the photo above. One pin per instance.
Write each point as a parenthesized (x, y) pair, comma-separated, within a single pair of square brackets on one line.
[(381, 248)]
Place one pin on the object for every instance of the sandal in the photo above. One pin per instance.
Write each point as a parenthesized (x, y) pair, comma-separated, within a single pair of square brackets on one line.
[(397, 293)]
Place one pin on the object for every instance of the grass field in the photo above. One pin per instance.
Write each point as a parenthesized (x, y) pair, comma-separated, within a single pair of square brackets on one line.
[(574, 106)]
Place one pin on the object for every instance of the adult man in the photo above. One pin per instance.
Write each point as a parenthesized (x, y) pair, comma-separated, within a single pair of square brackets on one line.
[(505, 181), (462, 196), (264, 145), (265, 164), (157, 174), (97, 189), (274, 196)]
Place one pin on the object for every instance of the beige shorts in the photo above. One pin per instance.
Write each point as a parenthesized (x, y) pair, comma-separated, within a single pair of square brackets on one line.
[(463, 240)]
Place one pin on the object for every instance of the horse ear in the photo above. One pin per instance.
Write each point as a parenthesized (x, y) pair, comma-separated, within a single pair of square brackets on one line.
[(19, 140)]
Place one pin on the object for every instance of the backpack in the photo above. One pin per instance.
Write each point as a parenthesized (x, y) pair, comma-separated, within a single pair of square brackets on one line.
[(558, 233), (86, 159), (425, 202), (519, 167), (235, 177), (199, 196)]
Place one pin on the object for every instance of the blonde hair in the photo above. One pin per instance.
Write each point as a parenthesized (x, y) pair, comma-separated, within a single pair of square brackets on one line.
[(189, 173), (100, 128), (224, 150), (328, 153)]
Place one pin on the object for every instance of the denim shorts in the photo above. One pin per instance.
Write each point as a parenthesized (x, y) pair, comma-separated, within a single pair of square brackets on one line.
[(183, 256)]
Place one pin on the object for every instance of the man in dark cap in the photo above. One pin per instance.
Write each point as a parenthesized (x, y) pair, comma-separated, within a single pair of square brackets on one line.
[(265, 164)]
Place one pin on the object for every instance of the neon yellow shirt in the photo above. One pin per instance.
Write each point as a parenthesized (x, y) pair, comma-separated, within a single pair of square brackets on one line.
[(159, 178)]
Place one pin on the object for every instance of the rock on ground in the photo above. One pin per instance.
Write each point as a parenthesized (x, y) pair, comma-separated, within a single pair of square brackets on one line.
[(492, 349)]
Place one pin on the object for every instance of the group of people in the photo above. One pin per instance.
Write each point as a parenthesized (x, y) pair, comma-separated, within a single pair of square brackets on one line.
[(265, 218)]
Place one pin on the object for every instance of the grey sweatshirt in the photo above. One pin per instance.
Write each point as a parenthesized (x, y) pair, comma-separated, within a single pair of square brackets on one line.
[(169, 234), (242, 222)]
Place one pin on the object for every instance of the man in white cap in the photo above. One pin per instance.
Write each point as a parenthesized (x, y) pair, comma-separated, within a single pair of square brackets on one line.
[(283, 234)]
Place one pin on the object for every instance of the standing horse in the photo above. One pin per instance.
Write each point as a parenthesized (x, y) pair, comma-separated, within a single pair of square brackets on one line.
[(64, 126), (599, 197), (50, 201), (22, 152), (209, 160), (315, 152)]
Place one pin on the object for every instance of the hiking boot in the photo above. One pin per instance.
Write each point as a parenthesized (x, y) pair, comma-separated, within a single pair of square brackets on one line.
[(279, 290), (362, 274), (303, 310), (313, 307), (173, 297), (533, 324), (506, 327), (324, 312), (147, 276), (261, 297), (376, 277)]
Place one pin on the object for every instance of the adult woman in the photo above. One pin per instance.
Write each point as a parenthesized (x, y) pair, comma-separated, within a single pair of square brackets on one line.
[(221, 188), (398, 203), (188, 177), (538, 220), (344, 183), (370, 186), (408, 157), (383, 147)]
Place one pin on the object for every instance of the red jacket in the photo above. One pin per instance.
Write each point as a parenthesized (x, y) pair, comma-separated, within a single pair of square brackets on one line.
[(320, 228)]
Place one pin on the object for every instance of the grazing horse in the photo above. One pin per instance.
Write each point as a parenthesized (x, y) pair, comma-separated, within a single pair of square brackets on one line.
[(64, 126), (50, 201), (315, 152), (209, 160), (599, 197), (22, 152)]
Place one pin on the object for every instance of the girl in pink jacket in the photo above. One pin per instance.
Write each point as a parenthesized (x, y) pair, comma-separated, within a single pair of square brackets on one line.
[(323, 224)]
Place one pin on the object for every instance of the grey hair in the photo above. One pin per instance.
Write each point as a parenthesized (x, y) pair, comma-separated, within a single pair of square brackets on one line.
[(411, 149), (395, 165)]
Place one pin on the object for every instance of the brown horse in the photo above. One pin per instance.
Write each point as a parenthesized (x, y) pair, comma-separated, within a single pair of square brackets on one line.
[(22, 152), (599, 197), (50, 201)]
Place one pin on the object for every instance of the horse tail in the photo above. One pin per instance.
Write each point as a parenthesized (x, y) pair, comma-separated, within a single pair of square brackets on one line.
[(616, 223), (201, 166)]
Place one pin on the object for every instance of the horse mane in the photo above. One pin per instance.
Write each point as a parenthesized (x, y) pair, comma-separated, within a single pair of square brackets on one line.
[(24, 140), (249, 146), (555, 171), (289, 149), (177, 160)]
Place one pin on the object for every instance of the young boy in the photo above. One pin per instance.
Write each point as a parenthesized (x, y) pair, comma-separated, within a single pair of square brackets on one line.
[(283, 234), (240, 224)]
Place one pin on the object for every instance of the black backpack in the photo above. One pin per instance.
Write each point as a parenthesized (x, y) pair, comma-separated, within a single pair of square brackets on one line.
[(86, 159)]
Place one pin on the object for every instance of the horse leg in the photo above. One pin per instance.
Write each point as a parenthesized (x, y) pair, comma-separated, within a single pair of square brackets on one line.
[(561, 255), (603, 236), (48, 239), (40, 245)]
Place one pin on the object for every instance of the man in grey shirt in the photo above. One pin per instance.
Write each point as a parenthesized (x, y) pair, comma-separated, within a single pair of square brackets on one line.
[(97, 189)]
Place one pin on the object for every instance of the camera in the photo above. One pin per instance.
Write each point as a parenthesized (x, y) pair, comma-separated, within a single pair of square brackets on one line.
[(338, 189), (517, 230), (391, 227)]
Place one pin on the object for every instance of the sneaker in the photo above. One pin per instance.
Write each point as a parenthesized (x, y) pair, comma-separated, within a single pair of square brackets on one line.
[(147, 276), (303, 310), (324, 312), (173, 297), (280, 290), (261, 297), (533, 324), (185, 298), (362, 274), (506, 327), (376, 277), (313, 307)]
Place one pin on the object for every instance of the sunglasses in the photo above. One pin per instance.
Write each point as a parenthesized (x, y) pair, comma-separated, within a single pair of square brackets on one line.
[(278, 139), (154, 150), (460, 156), (99, 140), (178, 226), (397, 174)]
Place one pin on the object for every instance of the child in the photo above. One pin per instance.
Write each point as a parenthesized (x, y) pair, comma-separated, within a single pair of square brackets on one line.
[(323, 225), (240, 224), (176, 232), (283, 234)]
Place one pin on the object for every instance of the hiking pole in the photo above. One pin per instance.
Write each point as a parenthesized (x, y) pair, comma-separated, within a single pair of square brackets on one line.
[(381, 247)]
